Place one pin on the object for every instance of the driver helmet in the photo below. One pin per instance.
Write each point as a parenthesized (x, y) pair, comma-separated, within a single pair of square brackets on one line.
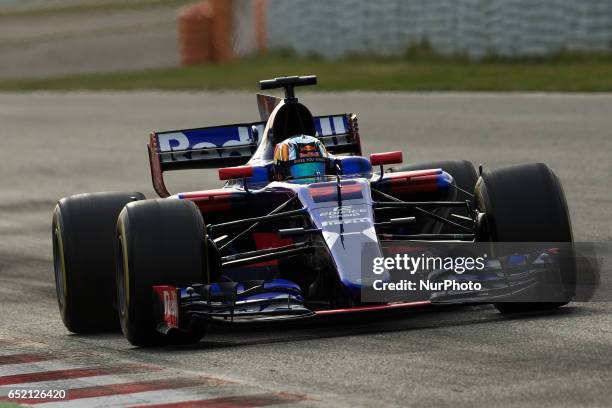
[(300, 157)]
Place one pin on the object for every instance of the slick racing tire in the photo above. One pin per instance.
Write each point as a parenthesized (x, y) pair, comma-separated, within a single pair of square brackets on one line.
[(526, 203), (83, 236), (159, 242), (465, 177)]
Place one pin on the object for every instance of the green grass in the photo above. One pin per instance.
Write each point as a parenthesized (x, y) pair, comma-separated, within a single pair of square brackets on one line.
[(9, 405), (563, 73)]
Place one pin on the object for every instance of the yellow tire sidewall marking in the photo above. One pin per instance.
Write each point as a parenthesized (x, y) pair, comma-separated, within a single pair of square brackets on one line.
[(60, 247), (126, 270)]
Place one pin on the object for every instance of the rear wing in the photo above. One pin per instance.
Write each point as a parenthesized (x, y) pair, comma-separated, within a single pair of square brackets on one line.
[(233, 145), (339, 133)]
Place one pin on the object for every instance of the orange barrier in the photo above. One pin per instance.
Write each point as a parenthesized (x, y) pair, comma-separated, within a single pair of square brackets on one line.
[(222, 30), (261, 25), (195, 34), (206, 31)]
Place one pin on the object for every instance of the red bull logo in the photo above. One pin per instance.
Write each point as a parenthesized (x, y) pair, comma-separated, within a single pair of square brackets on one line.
[(309, 150)]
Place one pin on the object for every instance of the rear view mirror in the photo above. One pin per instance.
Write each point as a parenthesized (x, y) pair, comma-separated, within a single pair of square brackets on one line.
[(228, 173), (386, 158)]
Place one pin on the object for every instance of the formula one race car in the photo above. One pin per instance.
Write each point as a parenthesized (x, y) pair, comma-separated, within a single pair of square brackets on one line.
[(288, 234)]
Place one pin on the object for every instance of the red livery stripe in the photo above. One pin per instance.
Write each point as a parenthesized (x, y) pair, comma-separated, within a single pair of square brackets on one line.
[(329, 192), (265, 240), (418, 181), (219, 192), (372, 308), (413, 173), (210, 200)]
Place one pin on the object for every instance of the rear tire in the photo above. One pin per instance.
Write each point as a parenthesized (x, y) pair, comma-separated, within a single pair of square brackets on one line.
[(159, 242), (526, 203), (83, 235)]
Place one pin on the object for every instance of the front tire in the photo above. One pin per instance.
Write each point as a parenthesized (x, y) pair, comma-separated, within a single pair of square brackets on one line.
[(526, 203), (159, 242), (83, 235)]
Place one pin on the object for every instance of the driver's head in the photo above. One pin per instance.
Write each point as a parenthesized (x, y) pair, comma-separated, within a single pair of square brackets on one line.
[(300, 157)]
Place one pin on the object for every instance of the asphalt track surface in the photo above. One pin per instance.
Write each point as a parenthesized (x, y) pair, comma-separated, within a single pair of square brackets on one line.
[(47, 43), (54, 145)]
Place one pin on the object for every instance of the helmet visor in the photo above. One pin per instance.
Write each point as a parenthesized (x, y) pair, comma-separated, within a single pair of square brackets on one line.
[(309, 169)]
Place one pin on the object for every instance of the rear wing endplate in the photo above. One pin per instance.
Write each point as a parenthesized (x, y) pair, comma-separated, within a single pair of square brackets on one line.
[(233, 145)]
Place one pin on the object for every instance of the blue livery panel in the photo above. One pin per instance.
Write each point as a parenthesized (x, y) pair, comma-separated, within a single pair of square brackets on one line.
[(216, 146), (210, 144)]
